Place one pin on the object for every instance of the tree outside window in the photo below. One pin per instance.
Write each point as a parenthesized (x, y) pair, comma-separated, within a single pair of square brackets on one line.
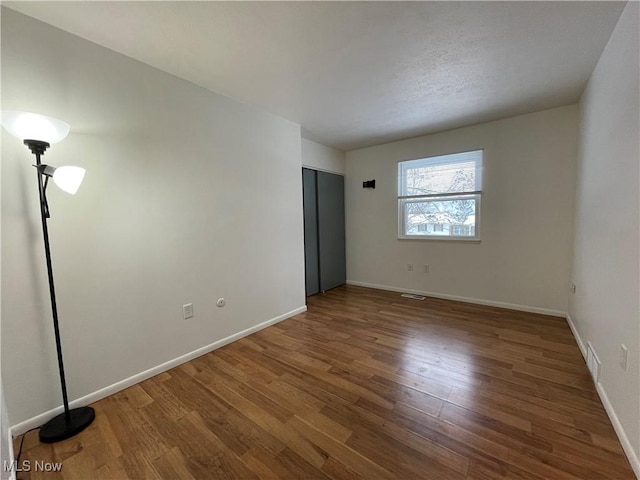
[(440, 196)]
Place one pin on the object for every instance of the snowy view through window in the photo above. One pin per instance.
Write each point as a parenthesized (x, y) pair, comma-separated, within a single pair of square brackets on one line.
[(439, 196)]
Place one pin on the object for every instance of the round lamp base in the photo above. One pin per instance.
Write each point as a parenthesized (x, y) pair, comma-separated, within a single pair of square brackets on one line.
[(58, 428)]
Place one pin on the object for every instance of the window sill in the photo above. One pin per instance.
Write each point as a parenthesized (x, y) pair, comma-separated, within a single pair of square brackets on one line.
[(434, 238)]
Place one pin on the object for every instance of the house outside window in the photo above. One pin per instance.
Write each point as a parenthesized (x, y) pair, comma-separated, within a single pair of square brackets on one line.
[(439, 197)]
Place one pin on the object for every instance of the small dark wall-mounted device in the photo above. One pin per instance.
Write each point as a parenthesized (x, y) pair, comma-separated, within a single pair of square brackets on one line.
[(369, 184)]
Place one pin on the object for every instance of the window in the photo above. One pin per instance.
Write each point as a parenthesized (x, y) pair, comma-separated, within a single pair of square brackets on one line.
[(439, 197)]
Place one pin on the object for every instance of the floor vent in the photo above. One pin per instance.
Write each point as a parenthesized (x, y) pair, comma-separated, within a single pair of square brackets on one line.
[(593, 363), (412, 296)]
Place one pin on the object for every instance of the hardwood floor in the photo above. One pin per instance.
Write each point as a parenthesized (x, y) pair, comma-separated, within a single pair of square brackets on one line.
[(365, 385)]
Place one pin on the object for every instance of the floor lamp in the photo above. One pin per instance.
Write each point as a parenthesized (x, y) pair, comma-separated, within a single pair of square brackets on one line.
[(38, 132)]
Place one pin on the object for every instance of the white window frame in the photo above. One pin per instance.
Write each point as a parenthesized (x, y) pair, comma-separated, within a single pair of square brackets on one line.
[(476, 195)]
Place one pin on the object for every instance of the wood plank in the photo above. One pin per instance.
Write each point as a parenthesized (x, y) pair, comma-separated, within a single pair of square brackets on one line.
[(364, 385)]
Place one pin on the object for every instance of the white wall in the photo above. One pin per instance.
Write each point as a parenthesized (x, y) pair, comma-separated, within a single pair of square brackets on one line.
[(321, 157), (524, 256), (605, 309), (5, 435), (6, 453), (189, 196)]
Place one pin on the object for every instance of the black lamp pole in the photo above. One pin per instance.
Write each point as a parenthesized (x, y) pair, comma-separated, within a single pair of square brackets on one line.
[(70, 422)]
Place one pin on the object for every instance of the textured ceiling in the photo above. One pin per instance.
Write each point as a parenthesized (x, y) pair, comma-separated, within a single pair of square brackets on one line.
[(355, 74)]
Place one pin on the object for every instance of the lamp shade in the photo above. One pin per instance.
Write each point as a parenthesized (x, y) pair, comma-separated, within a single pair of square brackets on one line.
[(32, 126), (68, 178)]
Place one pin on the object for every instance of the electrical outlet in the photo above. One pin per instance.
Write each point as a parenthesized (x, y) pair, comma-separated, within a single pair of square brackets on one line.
[(187, 310), (624, 354), (573, 288), (409, 267), (425, 268)]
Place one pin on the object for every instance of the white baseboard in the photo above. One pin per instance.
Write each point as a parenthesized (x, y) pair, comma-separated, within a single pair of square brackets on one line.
[(617, 426), (477, 301), (576, 335), (12, 473), (38, 420)]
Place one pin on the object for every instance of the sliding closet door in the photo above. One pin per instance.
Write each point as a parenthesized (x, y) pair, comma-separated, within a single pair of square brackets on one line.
[(311, 254), (330, 192)]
